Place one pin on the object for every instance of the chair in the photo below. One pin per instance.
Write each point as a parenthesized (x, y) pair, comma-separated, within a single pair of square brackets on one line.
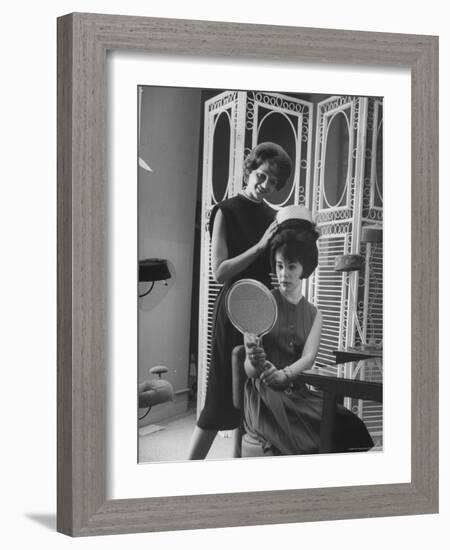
[(155, 391), (238, 378), (244, 445), (333, 389)]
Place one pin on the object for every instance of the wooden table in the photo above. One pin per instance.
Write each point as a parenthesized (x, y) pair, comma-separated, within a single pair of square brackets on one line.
[(334, 390)]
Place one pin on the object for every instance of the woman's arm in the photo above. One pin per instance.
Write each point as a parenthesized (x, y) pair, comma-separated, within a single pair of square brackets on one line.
[(310, 348), (282, 378), (255, 356), (225, 268)]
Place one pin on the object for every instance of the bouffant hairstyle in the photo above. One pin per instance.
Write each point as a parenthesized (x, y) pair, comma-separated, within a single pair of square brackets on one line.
[(296, 240), (275, 155)]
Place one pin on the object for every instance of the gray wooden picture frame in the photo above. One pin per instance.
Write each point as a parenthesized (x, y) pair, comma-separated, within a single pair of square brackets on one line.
[(83, 42)]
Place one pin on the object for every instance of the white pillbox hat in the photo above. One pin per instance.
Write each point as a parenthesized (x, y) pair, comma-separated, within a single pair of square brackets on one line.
[(293, 212)]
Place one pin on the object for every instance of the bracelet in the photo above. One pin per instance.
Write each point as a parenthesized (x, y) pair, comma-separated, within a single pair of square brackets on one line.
[(289, 375)]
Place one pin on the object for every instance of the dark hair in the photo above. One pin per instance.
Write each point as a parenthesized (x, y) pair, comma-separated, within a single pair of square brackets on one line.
[(296, 241), (273, 154)]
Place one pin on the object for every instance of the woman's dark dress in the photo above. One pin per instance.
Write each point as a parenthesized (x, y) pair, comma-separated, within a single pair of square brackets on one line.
[(289, 422), (245, 224)]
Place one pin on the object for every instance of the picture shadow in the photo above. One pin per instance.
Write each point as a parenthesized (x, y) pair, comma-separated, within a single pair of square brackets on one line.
[(47, 520)]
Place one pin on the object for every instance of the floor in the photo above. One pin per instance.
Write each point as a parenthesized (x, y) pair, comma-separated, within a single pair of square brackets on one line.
[(169, 441)]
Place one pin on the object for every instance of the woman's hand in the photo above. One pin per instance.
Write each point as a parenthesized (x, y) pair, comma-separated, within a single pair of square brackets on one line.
[(273, 377), (268, 234), (254, 351)]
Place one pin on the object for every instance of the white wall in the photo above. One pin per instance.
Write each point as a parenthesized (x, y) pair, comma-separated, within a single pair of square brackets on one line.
[(167, 199), (28, 305)]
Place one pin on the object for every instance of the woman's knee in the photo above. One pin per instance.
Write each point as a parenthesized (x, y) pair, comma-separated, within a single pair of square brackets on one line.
[(252, 447)]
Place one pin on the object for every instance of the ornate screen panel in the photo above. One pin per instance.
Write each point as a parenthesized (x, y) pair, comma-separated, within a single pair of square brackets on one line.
[(336, 204), (347, 197), (223, 151), (370, 304), (234, 123)]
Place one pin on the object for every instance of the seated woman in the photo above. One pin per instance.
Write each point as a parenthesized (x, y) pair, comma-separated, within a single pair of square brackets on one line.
[(281, 415)]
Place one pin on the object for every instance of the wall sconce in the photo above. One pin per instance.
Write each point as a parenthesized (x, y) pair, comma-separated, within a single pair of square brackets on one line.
[(152, 270)]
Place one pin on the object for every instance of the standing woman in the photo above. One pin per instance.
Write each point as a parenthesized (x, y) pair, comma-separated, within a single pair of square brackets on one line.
[(241, 228)]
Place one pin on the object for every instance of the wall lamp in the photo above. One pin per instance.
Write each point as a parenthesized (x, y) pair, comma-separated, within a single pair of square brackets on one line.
[(152, 270)]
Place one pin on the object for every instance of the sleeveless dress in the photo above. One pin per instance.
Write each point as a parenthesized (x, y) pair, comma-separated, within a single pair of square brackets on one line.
[(245, 223), (288, 422)]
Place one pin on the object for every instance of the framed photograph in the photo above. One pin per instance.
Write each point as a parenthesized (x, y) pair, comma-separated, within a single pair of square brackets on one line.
[(149, 143)]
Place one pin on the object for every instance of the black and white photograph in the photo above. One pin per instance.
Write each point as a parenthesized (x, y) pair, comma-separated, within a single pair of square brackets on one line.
[(260, 261)]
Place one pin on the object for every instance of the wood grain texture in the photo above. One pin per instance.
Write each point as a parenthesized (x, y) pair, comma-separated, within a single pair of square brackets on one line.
[(64, 276), (424, 260), (83, 199)]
